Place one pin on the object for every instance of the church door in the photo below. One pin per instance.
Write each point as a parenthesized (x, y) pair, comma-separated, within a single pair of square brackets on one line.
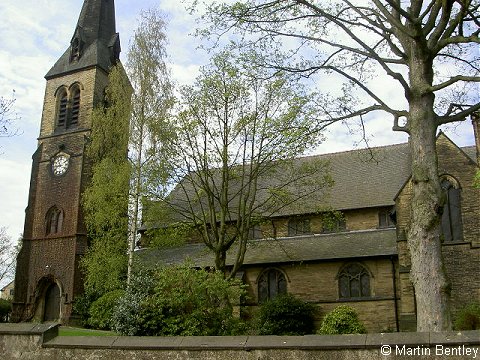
[(52, 303)]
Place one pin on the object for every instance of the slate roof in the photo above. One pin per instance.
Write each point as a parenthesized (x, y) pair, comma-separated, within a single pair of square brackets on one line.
[(353, 244), (361, 179), (101, 43), (367, 177)]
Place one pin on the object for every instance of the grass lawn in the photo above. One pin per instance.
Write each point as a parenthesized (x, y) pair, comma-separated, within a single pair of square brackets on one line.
[(73, 331)]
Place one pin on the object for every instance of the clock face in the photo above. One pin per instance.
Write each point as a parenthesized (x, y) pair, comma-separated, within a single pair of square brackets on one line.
[(60, 164)]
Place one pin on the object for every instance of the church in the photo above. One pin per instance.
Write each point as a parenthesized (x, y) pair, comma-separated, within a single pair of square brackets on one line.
[(362, 260)]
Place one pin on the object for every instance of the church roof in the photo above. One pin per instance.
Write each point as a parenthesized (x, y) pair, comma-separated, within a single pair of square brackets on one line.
[(353, 244), (96, 38), (361, 179)]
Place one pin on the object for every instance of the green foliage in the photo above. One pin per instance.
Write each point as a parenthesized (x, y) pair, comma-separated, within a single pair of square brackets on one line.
[(81, 306), (101, 310), (342, 320), (105, 200), (5, 310), (476, 180), (239, 128), (105, 264), (178, 300), (468, 318), (286, 315), (160, 235), (110, 122)]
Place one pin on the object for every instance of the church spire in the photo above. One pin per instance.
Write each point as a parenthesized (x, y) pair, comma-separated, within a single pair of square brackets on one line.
[(95, 41)]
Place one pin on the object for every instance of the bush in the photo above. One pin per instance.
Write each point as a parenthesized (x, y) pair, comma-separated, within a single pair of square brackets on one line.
[(101, 310), (178, 300), (342, 320), (286, 315), (81, 307), (5, 310), (468, 318)]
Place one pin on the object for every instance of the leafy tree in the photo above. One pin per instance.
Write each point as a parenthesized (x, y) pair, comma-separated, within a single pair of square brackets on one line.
[(152, 99), (427, 50), (105, 201), (236, 137)]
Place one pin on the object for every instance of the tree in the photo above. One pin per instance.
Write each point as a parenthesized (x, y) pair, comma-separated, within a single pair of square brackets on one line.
[(428, 50), (8, 255), (7, 116), (236, 138), (105, 200), (149, 126)]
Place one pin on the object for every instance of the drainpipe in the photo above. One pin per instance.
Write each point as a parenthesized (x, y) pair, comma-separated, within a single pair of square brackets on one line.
[(395, 293)]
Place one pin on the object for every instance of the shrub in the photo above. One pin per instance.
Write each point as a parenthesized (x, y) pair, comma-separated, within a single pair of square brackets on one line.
[(178, 300), (468, 318), (81, 307), (342, 320), (5, 309), (286, 315), (101, 310)]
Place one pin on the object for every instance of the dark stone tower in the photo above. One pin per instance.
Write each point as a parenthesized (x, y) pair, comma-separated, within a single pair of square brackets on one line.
[(54, 239)]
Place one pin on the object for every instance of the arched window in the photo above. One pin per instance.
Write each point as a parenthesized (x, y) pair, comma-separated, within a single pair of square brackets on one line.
[(452, 212), (62, 108), (353, 281), (54, 221), (75, 106), (271, 283)]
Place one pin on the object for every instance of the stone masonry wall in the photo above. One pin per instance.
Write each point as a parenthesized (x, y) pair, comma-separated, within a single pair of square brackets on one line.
[(30, 341), (317, 283)]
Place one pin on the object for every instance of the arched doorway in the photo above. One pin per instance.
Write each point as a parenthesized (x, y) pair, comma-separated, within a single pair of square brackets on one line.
[(52, 303)]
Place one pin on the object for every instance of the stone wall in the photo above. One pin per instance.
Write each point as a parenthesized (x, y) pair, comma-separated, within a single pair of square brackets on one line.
[(317, 283), (30, 341)]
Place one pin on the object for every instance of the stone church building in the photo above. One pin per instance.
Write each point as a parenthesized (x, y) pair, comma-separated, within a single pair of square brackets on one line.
[(362, 260), (48, 279)]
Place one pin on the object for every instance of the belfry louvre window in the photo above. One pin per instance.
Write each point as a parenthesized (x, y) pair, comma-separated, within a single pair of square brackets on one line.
[(452, 214), (68, 108), (354, 281), (75, 106), (53, 221), (62, 109), (271, 284)]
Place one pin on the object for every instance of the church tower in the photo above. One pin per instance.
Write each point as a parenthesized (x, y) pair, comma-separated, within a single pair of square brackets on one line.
[(48, 278)]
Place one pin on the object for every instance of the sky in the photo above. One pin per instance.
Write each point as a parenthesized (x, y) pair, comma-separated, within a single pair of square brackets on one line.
[(35, 33)]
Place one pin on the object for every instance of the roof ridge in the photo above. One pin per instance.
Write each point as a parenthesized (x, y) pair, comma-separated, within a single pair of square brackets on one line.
[(352, 150)]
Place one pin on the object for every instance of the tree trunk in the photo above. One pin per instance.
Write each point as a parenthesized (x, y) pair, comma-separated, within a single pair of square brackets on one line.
[(427, 271)]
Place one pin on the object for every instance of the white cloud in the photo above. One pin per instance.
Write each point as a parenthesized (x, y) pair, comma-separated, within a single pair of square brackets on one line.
[(34, 35)]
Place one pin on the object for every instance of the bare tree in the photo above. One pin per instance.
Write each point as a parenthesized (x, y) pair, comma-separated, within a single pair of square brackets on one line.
[(428, 50), (7, 116), (7, 255)]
